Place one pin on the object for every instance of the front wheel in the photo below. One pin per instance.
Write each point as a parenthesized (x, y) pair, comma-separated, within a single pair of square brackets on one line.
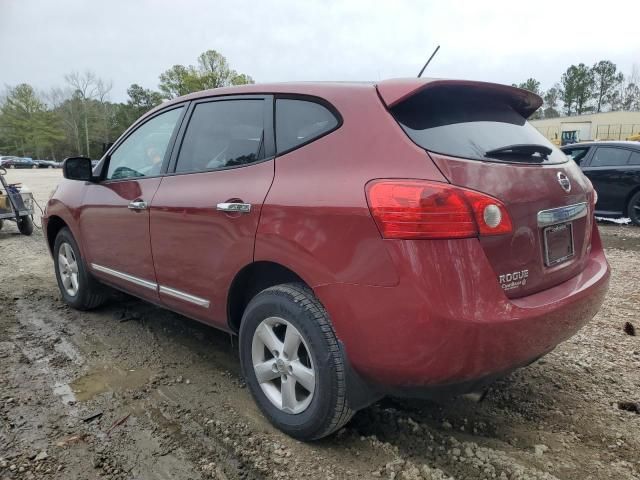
[(633, 209), (292, 362), (25, 225), (79, 289)]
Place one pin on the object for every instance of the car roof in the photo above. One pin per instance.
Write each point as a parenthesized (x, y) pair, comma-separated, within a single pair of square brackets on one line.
[(606, 143), (300, 88), (392, 91)]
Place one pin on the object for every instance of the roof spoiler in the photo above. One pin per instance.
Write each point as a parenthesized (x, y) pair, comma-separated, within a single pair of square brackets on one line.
[(395, 91)]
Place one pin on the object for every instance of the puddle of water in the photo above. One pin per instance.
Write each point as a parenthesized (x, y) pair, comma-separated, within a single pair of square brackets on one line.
[(108, 379)]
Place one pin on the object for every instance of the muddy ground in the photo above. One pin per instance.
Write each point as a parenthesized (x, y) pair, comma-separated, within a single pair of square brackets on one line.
[(131, 391)]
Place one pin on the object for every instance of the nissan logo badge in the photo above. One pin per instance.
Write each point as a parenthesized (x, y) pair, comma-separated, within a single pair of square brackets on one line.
[(564, 182)]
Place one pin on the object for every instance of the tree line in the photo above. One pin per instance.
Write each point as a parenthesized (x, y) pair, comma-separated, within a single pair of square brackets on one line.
[(583, 89), (78, 117)]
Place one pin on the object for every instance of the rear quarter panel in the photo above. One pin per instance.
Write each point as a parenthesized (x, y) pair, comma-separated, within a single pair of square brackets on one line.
[(315, 219)]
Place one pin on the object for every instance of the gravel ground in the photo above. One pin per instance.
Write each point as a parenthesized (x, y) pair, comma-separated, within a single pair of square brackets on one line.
[(131, 391)]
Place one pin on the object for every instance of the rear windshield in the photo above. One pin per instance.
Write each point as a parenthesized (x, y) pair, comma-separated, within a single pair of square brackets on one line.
[(466, 124)]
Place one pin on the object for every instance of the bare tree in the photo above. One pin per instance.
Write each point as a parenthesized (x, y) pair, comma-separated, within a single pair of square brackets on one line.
[(88, 88), (69, 108)]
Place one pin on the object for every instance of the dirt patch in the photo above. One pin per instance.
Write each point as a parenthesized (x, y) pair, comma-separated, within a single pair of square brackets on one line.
[(132, 391)]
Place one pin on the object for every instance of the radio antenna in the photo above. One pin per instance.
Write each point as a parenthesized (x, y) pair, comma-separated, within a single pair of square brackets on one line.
[(429, 61)]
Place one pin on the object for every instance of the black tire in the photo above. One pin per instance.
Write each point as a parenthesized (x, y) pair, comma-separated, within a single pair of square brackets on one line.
[(90, 293), (633, 209), (329, 408), (25, 225), (1, 224)]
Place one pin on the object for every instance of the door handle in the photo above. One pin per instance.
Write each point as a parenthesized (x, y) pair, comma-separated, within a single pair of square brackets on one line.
[(234, 207), (138, 205)]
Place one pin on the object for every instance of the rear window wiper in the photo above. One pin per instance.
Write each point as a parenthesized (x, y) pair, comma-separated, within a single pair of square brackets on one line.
[(529, 150)]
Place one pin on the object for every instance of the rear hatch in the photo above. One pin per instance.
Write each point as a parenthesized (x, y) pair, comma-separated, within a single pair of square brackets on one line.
[(478, 136)]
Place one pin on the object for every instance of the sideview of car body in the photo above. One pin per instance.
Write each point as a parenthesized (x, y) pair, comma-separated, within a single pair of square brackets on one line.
[(409, 237)]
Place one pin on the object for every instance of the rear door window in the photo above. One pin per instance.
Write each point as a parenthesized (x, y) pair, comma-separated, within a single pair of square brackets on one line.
[(300, 121), (610, 157), (468, 124), (223, 134)]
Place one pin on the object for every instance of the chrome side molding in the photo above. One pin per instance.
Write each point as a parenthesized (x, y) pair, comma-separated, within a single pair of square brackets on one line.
[(125, 276), (562, 214), (172, 292), (201, 302)]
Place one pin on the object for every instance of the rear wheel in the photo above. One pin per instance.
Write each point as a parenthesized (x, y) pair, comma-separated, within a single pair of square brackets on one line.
[(292, 362), (25, 225), (78, 288), (633, 209)]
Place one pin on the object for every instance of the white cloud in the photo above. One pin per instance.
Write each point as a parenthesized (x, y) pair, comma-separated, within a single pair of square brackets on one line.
[(134, 41)]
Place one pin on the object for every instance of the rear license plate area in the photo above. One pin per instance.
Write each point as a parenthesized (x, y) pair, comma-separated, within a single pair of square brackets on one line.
[(558, 244)]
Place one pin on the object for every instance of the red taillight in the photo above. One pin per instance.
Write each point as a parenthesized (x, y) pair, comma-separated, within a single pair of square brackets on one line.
[(421, 209)]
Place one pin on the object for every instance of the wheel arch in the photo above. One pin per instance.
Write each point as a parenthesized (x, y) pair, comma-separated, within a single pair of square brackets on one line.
[(252, 279), (632, 192), (55, 223)]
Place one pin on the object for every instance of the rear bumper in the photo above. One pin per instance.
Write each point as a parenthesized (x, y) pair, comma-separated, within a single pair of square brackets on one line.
[(448, 323)]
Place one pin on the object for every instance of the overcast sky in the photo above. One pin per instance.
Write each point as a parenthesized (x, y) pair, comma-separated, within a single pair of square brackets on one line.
[(133, 41)]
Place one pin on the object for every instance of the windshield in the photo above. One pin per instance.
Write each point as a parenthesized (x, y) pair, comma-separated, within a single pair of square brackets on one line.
[(468, 125)]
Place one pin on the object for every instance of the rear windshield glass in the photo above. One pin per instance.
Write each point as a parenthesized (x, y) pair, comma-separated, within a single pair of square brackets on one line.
[(466, 124)]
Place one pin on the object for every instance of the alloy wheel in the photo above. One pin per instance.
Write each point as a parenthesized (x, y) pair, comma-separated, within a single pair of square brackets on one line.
[(283, 365), (68, 268)]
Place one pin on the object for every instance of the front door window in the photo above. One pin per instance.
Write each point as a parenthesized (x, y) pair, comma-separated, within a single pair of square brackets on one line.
[(143, 152)]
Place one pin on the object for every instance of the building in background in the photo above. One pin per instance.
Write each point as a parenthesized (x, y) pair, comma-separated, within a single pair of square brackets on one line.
[(594, 126)]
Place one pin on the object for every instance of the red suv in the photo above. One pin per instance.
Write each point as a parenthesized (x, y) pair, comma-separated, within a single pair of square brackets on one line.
[(411, 237)]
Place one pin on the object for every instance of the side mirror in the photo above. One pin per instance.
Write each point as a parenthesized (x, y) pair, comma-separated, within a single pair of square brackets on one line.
[(78, 168)]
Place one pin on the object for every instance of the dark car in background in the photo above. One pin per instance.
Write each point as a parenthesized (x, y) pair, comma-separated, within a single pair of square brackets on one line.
[(18, 162), (614, 170), (47, 164), (5, 158)]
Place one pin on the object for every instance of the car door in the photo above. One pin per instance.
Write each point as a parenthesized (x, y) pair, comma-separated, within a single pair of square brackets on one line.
[(606, 170), (114, 219), (205, 214)]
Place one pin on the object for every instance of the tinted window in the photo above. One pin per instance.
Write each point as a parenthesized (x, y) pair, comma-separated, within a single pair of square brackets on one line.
[(635, 159), (221, 134), (300, 121), (467, 124), (577, 154), (609, 156), (142, 153)]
